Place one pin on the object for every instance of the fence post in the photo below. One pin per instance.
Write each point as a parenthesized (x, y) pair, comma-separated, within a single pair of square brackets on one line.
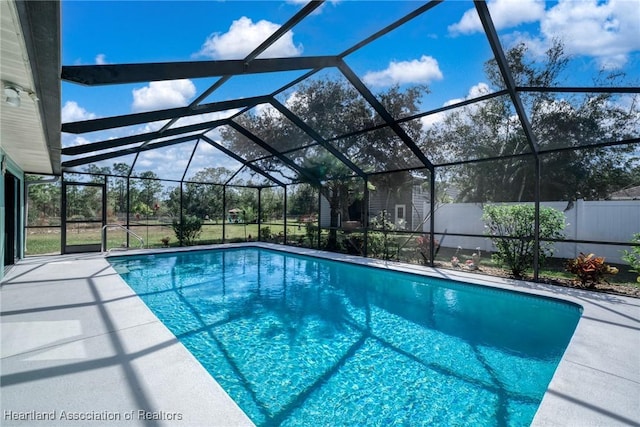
[(580, 212)]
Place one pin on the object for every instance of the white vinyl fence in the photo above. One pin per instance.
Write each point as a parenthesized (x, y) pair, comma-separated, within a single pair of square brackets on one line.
[(606, 221)]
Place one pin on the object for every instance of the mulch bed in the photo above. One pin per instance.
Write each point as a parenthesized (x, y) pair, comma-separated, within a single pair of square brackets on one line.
[(609, 288)]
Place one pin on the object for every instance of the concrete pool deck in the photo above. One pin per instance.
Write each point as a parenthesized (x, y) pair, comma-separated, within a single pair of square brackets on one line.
[(78, 343)]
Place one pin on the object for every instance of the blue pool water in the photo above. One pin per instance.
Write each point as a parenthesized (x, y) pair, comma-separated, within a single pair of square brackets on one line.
[(300, 341)]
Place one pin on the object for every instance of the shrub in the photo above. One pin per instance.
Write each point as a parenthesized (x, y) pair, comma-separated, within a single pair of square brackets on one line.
[(379, 240), (633, 257), (188, 230), (424, 247), (376, 244), (511, 228), (249, 215), (265, 234), (141, 209), (590, 269), (311, 231)]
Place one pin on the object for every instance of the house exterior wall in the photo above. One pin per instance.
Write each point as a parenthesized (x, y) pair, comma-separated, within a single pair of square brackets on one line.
[(381, 200), (325, 212), (420, 199), (13, 168), (415, 200)]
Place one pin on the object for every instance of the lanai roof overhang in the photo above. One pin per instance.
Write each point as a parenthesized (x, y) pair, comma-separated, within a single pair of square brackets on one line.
[(30, 44)]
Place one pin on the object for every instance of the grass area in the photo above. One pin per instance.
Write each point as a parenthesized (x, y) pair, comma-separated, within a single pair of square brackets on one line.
[(44, 241), (48, 240)]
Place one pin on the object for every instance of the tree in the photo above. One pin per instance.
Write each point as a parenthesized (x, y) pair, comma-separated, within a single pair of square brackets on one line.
[(202, 196), (332, 108), (206, 199), (302, 199), (271, 203), (511, 228), (97, 173), (493, 130), (246, 199), (43, 207), (119, 193), (144, 192)]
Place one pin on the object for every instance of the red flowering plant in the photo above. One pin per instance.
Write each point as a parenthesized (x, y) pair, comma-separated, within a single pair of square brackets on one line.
[(589, 269)]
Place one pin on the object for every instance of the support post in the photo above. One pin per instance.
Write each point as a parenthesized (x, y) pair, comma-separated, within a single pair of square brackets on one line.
[(284, 214), (224, 212), (181, 211), (319, 217), (63, 215), (365, 217), (259, 214), (432, 216), (103, 208), (536, 227), (128, 208)]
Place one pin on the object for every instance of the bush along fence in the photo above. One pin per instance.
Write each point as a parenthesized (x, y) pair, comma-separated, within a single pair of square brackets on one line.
[(592, 221)]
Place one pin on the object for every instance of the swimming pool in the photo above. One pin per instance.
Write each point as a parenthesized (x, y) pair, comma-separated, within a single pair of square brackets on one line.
[(297, 340)]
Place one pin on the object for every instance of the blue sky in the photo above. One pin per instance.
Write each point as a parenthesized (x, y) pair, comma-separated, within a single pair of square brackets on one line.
[(444, 48)]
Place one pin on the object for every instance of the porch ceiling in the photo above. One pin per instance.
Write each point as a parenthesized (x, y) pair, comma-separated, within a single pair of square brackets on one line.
[(30, 51)]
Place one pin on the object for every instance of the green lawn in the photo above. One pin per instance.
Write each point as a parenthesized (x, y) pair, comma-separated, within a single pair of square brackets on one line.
[(48, 241)]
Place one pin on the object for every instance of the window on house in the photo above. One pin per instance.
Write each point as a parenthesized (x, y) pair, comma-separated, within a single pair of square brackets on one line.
[(401, 221)]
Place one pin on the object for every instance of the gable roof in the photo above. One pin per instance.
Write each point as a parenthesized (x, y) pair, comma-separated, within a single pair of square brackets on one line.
[(629, 193)]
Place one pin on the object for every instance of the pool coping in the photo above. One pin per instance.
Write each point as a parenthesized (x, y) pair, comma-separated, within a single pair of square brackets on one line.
[(596, 383)]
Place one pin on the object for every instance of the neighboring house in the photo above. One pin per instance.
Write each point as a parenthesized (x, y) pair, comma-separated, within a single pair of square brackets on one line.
[(406, 208), (629, 193)]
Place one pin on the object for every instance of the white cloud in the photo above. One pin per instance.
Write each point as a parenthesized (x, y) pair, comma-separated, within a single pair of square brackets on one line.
[(144, 164), (432, 119), (293, 99), (72, 112), (605, 30), (475, 91), (146, 128), (424, 70), (504, 13), (163, 94), (71, 140), (266, 110), (244, 36), (478, 90), (201, 118), (169, 162), (101, 59), (214, 135), (319, 9), (207, 156)]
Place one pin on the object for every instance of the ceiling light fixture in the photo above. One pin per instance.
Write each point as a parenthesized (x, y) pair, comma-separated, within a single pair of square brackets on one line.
[(12, 94)]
